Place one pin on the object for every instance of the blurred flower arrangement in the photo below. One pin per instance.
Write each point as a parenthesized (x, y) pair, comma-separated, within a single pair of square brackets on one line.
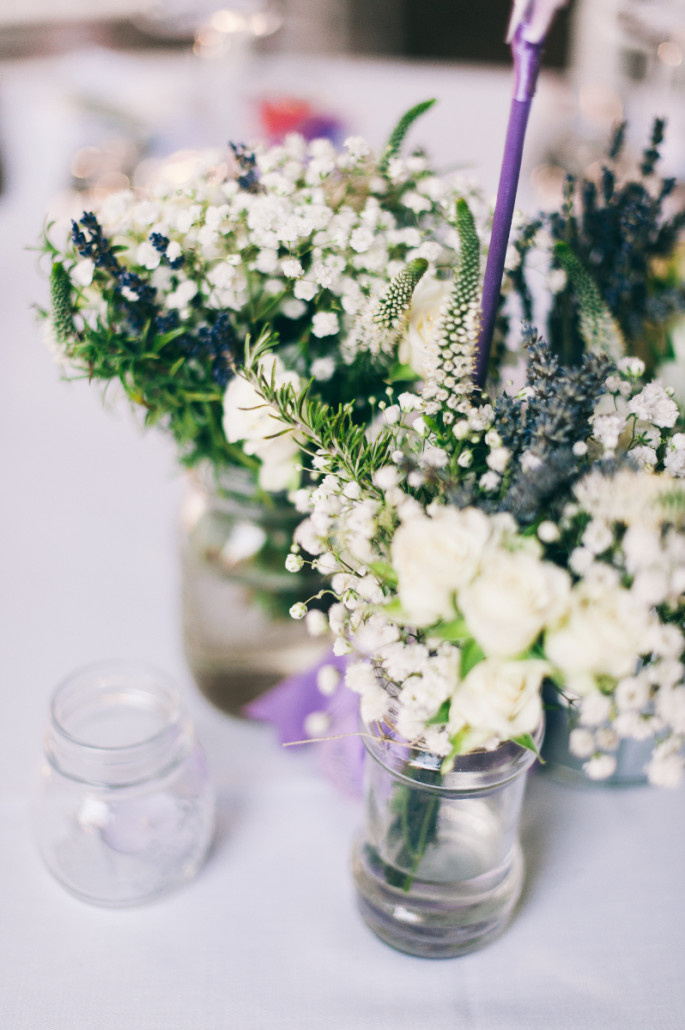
[(479, 546)]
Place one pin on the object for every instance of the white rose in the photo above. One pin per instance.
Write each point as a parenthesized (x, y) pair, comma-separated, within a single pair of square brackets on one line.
[(280, 468), (82, 272), (603, 634), (498, 700), (249, 418), (436, 556), (429, 297), (514, 597)]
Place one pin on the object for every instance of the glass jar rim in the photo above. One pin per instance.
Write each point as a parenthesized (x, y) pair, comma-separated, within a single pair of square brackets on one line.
[(478, 772), (115, 669), (122, 763)]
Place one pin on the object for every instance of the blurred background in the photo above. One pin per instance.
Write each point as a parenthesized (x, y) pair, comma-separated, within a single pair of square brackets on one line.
[(109, 86)]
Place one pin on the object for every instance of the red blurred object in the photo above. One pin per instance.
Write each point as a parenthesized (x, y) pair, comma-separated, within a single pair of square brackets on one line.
[(281, 115)]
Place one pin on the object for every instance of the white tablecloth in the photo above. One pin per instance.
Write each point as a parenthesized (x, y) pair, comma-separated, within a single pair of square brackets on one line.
[(267, 935)]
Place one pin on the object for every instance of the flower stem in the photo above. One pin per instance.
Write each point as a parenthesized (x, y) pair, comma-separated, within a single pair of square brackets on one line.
[(418, 850)]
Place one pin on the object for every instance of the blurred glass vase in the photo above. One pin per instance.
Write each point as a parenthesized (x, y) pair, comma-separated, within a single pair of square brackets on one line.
[(624, 766), (238, 635)]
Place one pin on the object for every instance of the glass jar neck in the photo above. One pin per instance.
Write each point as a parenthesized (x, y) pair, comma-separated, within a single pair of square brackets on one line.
[(116, 725), (477, 773)]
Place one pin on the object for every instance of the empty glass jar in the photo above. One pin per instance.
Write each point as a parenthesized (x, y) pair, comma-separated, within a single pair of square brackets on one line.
[(438, 866), (123, 807)]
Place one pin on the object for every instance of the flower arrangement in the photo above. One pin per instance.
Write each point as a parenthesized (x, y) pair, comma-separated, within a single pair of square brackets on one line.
[(479, 546), (159, 290), (467, 535)]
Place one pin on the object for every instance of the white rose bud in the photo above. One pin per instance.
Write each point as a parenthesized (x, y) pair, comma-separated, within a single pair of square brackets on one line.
[(429, 297), (602, 635)]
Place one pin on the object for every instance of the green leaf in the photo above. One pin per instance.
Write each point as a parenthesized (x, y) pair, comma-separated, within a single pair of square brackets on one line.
[(393, 610), (441, 716), (526, 740), (453, 631), (384, 572), (471, 654), (402, 374)]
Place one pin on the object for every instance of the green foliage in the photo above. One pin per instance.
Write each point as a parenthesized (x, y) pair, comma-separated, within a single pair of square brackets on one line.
[(621, 233), (414, 827), (60, 302), (398, 134), (526, 741), (393, 306), (471, 654), (457, 331), (384, 572), (320, 427), (598, 329)]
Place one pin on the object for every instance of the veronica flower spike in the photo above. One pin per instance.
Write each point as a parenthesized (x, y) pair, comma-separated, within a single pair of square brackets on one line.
[(528, 27)]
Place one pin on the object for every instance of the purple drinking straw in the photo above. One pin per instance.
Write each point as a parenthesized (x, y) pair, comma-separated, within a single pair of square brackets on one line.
[(530, 22)]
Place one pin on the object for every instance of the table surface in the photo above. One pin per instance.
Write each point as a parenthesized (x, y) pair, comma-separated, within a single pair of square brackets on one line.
[(267, 935)]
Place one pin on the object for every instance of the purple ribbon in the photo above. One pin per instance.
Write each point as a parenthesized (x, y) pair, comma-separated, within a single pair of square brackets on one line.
[(339, 754), (527, 58)]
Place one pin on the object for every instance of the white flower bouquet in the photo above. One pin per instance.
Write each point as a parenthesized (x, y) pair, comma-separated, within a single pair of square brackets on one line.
[(480, 546)]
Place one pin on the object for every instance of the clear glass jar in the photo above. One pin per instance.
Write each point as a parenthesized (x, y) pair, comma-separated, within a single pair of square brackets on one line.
[(438, 867), (123, 808), (238, 636)]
